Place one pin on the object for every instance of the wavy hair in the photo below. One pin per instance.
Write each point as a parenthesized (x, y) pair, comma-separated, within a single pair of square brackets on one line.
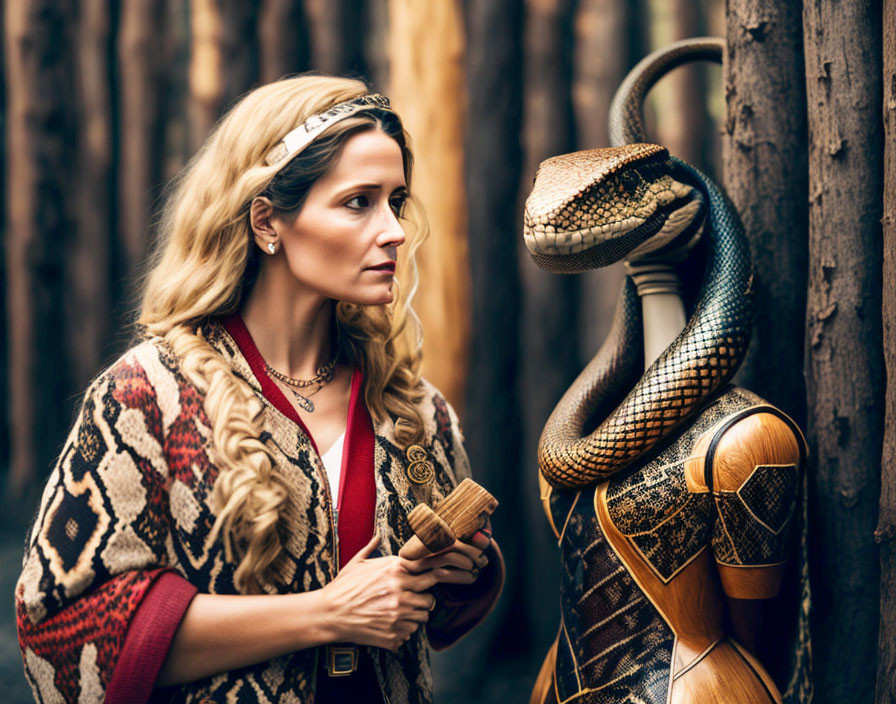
[(206, 261)]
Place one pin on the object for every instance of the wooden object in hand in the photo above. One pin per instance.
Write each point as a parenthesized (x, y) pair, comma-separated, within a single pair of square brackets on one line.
[(464, 511)]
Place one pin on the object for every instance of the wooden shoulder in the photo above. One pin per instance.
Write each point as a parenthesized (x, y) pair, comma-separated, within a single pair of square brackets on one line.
[(761, 439)]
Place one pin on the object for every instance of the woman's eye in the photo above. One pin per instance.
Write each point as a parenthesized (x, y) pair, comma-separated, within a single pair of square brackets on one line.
[(397, 205), (358, 202)]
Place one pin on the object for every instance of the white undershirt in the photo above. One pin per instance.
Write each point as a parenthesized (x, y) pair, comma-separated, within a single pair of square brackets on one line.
[(332, 460)]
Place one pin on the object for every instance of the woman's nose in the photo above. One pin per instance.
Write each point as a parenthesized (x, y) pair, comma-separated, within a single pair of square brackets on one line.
[(392, 233)]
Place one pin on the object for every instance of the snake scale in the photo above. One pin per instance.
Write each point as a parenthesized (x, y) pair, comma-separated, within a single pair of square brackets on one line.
[(634, 201)]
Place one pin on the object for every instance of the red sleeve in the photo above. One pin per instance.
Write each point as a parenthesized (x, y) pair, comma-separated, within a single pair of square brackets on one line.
[(97, 641), (461, 607), (149, 638)]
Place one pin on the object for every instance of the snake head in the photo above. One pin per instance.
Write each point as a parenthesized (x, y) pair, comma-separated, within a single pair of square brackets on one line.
[(592, 208)]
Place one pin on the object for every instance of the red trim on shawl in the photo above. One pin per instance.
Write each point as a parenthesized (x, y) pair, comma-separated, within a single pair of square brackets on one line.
[(357, 487), (148, 639)]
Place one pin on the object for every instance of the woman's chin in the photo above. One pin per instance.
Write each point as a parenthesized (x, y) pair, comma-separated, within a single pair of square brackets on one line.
[(372, 298)]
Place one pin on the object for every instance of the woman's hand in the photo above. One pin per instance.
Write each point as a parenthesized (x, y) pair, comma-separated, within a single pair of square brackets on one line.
[(379, 601), (458, 564)]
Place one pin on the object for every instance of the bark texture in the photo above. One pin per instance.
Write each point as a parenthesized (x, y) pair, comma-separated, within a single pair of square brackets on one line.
[(41, 135), (886, 528), (766, 176), (844, 362), (426, 47)]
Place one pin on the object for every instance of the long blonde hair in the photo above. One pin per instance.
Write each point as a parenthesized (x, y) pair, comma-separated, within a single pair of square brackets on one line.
[(203, 266)]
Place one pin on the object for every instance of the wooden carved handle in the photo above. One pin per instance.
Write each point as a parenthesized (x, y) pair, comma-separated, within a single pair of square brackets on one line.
[(464, 511)]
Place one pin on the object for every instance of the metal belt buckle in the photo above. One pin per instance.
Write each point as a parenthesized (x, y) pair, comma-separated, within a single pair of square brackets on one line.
[(342, 660)]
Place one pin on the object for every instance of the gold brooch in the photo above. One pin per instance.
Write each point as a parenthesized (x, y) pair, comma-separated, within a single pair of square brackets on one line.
[(420, 470)]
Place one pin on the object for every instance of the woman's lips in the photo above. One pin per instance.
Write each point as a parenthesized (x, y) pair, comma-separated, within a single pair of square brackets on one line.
[(385, 267)]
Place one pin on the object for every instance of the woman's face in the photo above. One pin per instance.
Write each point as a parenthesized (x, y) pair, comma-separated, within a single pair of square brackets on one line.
[(344, 242)]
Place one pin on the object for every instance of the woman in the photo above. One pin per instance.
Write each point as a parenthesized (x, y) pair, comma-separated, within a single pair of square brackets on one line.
[(197, 540)]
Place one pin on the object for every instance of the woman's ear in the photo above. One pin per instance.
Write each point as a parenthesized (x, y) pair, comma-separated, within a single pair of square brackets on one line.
[(260, 212)]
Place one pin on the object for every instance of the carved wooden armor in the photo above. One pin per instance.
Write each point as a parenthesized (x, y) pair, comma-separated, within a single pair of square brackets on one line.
[(648, 555)]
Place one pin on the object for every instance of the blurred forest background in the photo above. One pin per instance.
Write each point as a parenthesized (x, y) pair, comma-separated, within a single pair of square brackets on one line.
[(103, 101)]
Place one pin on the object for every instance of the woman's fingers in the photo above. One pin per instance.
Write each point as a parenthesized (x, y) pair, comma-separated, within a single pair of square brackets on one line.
[(449, 575), (365, 552)]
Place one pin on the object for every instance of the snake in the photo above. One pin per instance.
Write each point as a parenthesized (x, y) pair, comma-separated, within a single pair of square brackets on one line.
[(634, 201)]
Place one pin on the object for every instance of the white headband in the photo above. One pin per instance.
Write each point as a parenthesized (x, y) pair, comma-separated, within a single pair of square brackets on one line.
[(303, 135)]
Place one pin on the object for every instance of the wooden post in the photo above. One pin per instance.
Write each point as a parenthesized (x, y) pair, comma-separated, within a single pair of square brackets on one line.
[(426, 47), (40, 140), (766, 176), (886, 527), (844, 364)]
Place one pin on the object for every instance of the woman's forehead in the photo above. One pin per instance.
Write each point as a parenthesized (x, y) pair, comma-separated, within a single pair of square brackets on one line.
[(371, 154)]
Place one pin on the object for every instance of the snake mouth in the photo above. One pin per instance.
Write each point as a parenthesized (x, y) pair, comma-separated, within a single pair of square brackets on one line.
[(598, 255)]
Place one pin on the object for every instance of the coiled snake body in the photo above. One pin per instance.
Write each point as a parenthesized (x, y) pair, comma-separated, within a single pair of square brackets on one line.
[(634, 201)]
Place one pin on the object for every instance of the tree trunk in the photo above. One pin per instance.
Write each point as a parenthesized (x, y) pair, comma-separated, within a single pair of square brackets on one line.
[(601, 57), (765, 174), (426, 46), (549, 329), (40, 153), (678, 101), (177, 59), (492, 413), (886, 529), (141, 125), (240, 50), (4, 323), (550, 302), (336, 29), (283, 39), (844, 358), (88, 272), (206, 69), (376, 54)]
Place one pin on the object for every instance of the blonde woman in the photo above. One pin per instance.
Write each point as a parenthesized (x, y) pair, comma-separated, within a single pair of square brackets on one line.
[(224, 520)]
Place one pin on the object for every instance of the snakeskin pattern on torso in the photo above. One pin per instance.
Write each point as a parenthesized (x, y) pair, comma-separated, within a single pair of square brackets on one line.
[(614, 645)]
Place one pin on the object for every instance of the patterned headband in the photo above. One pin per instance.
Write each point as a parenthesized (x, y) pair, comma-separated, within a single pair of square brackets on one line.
[(308, 131)]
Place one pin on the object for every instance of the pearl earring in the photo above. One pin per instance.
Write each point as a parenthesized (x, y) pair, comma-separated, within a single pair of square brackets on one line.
[(272, 248)]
